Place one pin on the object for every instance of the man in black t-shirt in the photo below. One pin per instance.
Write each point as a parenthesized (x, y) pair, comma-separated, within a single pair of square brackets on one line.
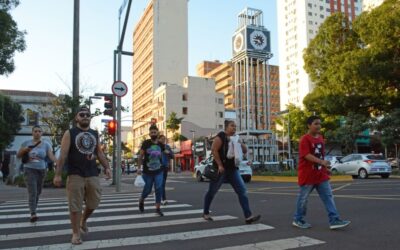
[(150, 159)]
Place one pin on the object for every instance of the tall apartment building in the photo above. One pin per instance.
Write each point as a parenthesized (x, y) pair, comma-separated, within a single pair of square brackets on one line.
[(298, 23), (223, 74), (370, 4), (160, 44)]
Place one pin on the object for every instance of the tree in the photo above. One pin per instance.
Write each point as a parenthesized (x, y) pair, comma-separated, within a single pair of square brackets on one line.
[(10, 120), (356, 67), (58, 117), (173, 123), (389, 126), (11, 39)]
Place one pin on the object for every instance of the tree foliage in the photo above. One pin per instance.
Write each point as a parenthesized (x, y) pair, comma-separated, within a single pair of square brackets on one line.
[(10, 120), (11, 39), (356, 67), (389, 126)]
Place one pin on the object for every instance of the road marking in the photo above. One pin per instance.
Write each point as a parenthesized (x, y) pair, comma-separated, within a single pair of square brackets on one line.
[(64, 206), (114, 227), (96, 219), (108, 210), (281, 244), (143, 240), (105, 197), (341, 187)]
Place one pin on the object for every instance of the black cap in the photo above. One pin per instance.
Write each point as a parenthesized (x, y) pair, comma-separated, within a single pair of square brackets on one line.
[(83, 108)]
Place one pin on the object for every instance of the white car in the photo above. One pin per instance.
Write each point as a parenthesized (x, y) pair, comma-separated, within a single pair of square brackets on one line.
[(363, 165), (244, 168)]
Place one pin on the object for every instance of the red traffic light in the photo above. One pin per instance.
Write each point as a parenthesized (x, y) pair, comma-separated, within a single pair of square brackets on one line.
[(112, 127)]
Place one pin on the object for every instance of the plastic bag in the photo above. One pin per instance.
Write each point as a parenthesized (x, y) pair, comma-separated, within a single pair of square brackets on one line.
[(139, 182), (237, 149)]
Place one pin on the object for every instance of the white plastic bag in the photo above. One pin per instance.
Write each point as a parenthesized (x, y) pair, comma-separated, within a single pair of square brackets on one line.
[(139, 182), (235, 150)]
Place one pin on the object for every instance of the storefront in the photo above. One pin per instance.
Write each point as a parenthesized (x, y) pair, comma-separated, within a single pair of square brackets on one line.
[(184, 159)]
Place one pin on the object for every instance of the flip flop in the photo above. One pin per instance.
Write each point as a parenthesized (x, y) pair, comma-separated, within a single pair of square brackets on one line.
[(76, 241), (84, 229)]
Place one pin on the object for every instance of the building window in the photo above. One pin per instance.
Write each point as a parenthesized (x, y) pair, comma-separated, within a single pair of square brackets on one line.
[(310, 5), (220, 126), (220, 101), (321, 16), (310, 13), (184, 97), (220, 114), (185, 110)]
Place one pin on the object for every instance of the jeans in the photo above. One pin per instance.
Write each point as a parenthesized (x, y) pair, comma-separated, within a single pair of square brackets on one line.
[(236, 181), (325, 193), (165, 175), (149, 180), (34, 179)]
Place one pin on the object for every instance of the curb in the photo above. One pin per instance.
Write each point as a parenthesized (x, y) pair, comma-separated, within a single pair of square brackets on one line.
[(336, 178)]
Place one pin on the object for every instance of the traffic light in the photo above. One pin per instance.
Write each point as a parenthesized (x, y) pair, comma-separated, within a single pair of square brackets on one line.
[(108, 105), (112, 127)]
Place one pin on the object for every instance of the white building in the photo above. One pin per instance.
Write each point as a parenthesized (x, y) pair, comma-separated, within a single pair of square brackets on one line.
[(370, 4), (298, 23), (196, 101), (160, 44)]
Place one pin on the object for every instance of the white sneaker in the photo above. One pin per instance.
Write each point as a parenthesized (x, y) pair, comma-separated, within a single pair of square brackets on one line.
[(164, 202)]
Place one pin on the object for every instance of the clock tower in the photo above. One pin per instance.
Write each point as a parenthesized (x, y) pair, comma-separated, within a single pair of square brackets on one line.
[(251, 51)]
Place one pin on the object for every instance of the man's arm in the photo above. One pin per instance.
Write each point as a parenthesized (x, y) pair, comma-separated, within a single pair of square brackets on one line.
[(103, 161), (312, 158), (217, 143), (64, 150)]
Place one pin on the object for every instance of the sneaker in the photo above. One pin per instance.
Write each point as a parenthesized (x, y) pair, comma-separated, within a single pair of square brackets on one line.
[(141, 206), (158, 211), (164, 202), (253, 219), (207, 217), (301, 224), (339, 224)]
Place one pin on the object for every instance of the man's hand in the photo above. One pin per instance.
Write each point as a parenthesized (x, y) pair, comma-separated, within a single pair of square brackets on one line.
[(221, 169), (57, 181), (107, 172), (325, 163)]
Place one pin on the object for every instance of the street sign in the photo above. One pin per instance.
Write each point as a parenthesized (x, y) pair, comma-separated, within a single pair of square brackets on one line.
[(119, 88)]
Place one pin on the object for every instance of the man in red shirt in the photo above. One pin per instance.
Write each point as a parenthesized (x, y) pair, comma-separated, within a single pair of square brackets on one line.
[(313, 174)]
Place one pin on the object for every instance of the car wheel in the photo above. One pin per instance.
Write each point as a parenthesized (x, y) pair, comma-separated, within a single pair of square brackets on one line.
[(334, 171), (385, 176), (199, 177), (362, 173)]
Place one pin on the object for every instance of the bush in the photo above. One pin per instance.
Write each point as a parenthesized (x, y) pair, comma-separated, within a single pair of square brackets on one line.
[(48, 179)]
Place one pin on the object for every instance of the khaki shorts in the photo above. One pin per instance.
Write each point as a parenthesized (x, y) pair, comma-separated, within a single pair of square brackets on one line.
[(81, 189)]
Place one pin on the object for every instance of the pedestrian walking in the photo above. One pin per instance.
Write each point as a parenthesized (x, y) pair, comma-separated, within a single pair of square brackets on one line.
[(150, 158), (167, 155), (35, 167), (313, 174), (79, 149), (228, 172)]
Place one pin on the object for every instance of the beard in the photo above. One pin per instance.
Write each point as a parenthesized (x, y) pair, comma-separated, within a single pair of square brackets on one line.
[(84, 123), (153, 137)]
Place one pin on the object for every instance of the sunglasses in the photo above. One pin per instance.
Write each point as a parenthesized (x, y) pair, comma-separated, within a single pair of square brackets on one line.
[(82, 115)]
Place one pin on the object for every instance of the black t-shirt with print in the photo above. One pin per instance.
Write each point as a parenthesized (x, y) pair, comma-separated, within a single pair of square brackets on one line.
[(152, 157)]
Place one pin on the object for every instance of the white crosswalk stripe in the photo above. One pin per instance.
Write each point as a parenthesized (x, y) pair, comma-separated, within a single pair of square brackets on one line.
[(119, 213)]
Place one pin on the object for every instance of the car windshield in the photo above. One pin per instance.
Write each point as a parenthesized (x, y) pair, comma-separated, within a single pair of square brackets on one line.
[(375, 157)]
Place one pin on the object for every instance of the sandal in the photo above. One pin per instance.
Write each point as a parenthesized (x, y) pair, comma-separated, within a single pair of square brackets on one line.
[(76, 241), (252, 219), (84, 228), (33, 218), (207, 217)]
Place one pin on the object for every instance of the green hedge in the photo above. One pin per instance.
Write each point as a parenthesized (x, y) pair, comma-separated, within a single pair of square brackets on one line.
[(284, 173), (48, 181)]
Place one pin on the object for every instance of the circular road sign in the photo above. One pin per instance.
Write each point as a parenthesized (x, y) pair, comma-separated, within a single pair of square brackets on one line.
[(119, 88)]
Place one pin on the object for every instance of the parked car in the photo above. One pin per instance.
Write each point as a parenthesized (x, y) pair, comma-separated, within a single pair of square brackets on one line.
[(245, 169), (393, 162), (363, 165), (333, 159)]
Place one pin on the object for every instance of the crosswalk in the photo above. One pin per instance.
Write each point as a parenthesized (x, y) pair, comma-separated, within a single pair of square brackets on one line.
[(117, 224)]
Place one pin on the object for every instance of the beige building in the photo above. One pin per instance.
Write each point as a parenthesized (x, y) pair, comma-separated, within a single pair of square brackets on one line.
[(195, 100), (160, 44)]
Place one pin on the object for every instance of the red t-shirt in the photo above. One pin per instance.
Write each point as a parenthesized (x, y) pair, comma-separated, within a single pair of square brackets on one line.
[(310, 173)]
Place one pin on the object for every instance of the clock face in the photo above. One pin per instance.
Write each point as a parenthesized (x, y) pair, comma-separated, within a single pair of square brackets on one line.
[(258, 40), (238, 43)]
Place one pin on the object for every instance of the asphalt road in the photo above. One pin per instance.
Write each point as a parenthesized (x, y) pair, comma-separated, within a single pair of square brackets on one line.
[(372, 205)]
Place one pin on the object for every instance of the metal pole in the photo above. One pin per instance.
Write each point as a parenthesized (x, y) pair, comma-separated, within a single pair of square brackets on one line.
[(75, 59)]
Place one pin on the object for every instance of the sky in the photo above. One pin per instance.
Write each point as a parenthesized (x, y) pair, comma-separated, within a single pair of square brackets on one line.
[(46, 64)]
